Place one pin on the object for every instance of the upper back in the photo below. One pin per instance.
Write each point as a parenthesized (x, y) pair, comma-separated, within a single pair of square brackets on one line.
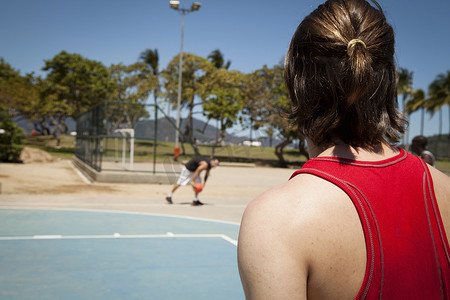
[(442, 191), (407, 251)]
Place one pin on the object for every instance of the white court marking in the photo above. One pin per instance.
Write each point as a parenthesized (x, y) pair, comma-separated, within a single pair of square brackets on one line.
[(82, 176), (114, 212), (118, 236)]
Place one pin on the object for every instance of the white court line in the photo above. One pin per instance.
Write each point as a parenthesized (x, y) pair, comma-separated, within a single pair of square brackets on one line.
[(129, 205), (84, 178), (111, 211), (118, 236), (46, 237), (228, 239)]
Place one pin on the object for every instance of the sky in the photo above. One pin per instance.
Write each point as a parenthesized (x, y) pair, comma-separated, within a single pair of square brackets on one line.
[(249, 33)]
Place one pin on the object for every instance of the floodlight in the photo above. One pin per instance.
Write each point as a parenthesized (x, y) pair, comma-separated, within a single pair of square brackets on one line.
[(174, 4), (195, 6)]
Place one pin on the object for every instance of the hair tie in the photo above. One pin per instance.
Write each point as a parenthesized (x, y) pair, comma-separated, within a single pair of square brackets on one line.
[(353, 43)]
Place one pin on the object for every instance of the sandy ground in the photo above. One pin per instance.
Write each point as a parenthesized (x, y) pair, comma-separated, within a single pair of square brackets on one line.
[(57, 185)]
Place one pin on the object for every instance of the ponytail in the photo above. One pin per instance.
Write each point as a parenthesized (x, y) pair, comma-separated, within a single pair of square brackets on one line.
[(360, 63)]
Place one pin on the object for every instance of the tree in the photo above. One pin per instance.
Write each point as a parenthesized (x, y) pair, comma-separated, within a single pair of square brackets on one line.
[(76, 83), (279, 117), (151, 59), (16, 91), (222, 99), (217, 59), (404, 88), (266, 102), (133, 84), (22, 95), (416, 102), (270, 132), (194, 73), (258, 99), (439, 92), (11, 139), (10, 83), (6, 71)]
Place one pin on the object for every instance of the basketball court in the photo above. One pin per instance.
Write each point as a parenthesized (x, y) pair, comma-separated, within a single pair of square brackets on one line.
[(63, 238), (75, 254)]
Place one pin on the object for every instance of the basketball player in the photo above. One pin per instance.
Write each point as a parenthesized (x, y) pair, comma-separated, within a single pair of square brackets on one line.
[(191, 174)]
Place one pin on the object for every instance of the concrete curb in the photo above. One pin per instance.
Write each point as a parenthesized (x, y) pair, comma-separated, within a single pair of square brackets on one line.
[(123, 177)]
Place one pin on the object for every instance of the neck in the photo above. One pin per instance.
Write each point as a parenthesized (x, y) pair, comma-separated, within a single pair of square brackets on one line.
[(342, 150)]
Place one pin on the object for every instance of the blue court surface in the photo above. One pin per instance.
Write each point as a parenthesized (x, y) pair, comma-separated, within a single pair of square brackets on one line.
[(67, 254)]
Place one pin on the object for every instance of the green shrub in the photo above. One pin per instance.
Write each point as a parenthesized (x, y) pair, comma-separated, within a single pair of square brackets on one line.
[(11, 139)]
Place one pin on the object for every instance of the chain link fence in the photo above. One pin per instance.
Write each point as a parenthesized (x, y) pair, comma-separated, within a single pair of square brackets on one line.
[(439, 145), (123, 136), (88, 144)]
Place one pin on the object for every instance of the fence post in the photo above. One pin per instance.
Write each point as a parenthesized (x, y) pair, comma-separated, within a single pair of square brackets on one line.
[(156, 137)]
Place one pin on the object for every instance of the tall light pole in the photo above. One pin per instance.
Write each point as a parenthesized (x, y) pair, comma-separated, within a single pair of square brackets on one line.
[(176, 5)]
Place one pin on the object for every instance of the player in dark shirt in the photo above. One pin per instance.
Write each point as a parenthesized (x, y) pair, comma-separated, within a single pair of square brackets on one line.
[(191, 174)]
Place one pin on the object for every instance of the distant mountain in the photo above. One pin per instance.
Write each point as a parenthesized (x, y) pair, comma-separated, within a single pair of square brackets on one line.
[(166, 132), (204, 133)]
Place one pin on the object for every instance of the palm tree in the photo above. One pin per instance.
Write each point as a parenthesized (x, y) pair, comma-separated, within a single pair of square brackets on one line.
[(445, 92), (404, 88), (151, 59), (439, 92), (416, 102), (217, 59)]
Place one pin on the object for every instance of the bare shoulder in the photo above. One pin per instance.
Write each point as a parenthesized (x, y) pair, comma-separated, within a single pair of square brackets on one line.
[(441, 184), (286, 232), (266, 247), (299, 199)]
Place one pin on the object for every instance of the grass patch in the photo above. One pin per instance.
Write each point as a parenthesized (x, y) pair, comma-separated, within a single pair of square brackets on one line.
[(144, 149), (49, 144), (66, 141), (443, 165)]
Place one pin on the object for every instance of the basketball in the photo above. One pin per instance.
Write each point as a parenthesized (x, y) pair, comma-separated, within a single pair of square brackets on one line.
[(198, 187)]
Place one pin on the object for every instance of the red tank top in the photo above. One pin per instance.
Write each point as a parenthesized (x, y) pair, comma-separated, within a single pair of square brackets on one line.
[(407, 248)]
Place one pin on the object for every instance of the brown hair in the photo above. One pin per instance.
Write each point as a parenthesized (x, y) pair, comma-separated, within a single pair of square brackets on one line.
[(341, 75)]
